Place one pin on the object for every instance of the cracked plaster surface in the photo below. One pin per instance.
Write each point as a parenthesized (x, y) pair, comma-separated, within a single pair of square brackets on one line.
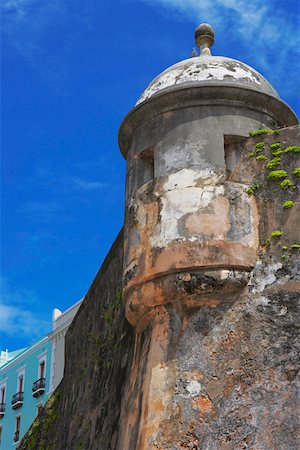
[(205, 70)]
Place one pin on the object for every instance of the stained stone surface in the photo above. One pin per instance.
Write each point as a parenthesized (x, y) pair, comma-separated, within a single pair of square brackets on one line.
[(99, 345), (217, 364)]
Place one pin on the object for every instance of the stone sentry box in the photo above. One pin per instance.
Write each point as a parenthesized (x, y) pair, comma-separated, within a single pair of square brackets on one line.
[(210, 363), (182, 214)]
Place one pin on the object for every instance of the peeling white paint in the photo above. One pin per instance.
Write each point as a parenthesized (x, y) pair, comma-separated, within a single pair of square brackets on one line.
[(178, 202), (181, 179), (206, 70), (262, 301), (194, 387), (186, 178), (263, 276)]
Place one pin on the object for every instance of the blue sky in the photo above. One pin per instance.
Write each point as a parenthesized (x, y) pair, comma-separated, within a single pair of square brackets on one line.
[(71, 70)]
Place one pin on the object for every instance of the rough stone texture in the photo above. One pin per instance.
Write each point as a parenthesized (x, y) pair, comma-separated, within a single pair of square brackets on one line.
[(99, 346), (214, 359), (221, 370), (246, 109), (188, 216), (235, 372)]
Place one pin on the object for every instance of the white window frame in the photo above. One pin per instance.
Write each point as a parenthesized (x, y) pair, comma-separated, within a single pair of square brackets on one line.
[(42, 358), (16, 417), (21, 373), (3, 385)]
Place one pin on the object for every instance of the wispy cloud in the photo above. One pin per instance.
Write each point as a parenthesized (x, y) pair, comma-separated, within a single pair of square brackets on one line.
[(17, 321), (60, 192), (265, 29), (42, 213), (67, 184), (19, 313), (25, 24), (43, 209), (85, 185), (257, 18)]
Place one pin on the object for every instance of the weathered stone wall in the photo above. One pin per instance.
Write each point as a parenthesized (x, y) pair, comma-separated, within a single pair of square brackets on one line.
[(214, 374), (221, 374), (84, 410)]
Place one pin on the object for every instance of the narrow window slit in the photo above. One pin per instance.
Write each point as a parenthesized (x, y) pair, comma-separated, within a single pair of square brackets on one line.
[(144, 167), (232, 152)]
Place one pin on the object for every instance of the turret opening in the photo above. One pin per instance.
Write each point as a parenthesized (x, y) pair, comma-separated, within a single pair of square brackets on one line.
[(232, 151), (144, 167)]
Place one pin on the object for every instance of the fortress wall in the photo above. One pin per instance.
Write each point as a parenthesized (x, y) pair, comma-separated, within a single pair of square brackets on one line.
[(84, 410), (220, 375)]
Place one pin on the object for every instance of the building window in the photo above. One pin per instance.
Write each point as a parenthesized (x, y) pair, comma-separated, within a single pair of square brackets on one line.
[(21, 383), (17, 399), (42, 369), (39, 385), (17, 429), (2, 401), (42, 363)]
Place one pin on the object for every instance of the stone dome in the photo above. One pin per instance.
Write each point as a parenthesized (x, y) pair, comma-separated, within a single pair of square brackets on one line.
[(207, 71), (207, 85)]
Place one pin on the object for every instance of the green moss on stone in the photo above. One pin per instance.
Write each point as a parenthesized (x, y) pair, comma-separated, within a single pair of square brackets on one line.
[(261, 158), (106, 341), (296, 171), (273, 163), (253, 188), (276, 146), (260, 146), (277, 153), (288, 204), (295, 247), (260, 131), (292, 149), (285, 184), (276, 233), (276, 175)]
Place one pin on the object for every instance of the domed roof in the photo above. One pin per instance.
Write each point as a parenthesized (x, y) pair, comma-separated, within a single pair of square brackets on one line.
[(207, 70)]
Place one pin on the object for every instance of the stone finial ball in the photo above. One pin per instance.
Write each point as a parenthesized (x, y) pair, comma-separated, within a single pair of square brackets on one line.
[(204, 33)]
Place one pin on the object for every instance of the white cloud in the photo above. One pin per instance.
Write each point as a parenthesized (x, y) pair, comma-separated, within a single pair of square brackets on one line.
[(263, 28), (19, 313), (246, 17), (266, 30), (25, 24), (16, 321), (86, 185), (43, 209), (65, 183)]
